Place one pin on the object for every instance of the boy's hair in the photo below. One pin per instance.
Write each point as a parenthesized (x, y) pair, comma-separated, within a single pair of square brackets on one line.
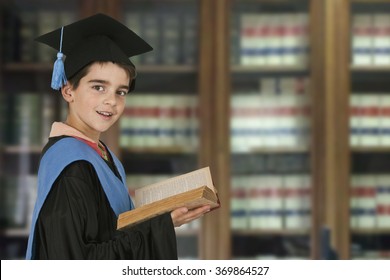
[(75, 79)]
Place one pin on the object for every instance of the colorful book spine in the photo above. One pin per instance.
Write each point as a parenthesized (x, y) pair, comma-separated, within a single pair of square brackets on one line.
[(362, 39), (369, 120), (381, 39), (250, 45), (131, 123), (193, 133), (238, 203), (148, 109), (370, 39), (267, 202), (257, 201), (384, 120), (250, 125), (274, 39), (383, 201), (166, 118), (160, 120), (277, 116), (270, 95), (354, 202), (288, 120), (370, 201), (364, 201), (237, 120), (275, 202), (182, 135), (297, 201), (294, 35), (355, 120)]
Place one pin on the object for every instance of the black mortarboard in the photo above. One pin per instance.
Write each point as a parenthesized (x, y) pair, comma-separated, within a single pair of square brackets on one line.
[(96, 38)]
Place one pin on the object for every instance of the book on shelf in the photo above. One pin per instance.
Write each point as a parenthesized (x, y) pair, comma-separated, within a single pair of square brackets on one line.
[(362, 40), (190, 190), (369, 119), (370, 201), (164, 120), (370, 39), (273, 39)]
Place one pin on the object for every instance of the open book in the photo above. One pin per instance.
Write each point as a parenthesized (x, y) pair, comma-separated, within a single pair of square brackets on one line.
[(191, 190)]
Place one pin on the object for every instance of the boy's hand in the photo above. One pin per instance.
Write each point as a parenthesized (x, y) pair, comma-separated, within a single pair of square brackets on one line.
[(182, 215)]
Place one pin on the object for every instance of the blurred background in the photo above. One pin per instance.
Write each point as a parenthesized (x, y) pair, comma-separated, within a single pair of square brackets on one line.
[(287, 101)]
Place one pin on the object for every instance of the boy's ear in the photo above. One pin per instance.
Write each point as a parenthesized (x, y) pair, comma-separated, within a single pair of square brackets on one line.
[(67, 92)]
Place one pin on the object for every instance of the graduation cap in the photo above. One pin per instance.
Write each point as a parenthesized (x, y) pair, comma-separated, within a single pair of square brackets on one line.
[(96, 38)]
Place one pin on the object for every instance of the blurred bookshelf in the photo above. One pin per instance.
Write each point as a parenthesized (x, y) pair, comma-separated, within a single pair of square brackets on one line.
[(286, 101), (369, 101), (27, 110), (270, 130)]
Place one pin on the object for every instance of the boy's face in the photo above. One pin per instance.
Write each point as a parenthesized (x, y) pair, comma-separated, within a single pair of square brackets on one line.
[(99, 100)]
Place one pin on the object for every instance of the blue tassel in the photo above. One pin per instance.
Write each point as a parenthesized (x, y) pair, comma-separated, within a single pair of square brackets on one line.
[(58, 78)]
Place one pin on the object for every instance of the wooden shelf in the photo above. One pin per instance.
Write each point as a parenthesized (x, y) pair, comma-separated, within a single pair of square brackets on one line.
[(370, 1), (372, 69), (186, 232), (27, 67), (15, 149), (280, 150), (271, 1), (16, 232), (377, 149), (371, 231), (167, 69), (275, 150), (269, 69), (157, 150), (46, 67), (255, 232)]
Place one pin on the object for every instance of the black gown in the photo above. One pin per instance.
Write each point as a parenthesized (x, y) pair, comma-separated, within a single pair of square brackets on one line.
[(77, 222)]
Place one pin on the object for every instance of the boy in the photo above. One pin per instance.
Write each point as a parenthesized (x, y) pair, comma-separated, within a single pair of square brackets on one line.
[(81, 184)]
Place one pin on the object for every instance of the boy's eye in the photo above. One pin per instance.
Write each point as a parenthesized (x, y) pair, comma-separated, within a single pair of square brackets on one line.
[(98, 88), (122, 92)]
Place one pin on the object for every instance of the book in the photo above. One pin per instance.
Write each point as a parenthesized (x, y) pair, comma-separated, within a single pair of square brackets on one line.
[(362, 39), (381, 39), (190, 190)]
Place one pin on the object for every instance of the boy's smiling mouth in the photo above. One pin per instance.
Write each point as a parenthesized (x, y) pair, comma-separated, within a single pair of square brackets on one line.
[(105, 114)]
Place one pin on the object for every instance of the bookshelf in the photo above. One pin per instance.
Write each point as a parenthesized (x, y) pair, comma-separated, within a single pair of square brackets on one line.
[(318, 86), (270, 129), (163, 80), (339, 156), (163, 140), (369, 67)]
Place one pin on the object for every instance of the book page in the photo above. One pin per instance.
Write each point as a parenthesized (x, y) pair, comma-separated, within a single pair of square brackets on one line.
[(172, 186)]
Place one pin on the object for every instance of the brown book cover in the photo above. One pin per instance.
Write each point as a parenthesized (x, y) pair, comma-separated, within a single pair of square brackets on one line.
[(191, 190)]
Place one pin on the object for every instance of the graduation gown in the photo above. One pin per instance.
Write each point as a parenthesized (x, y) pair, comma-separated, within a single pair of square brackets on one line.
[(77, 221)]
